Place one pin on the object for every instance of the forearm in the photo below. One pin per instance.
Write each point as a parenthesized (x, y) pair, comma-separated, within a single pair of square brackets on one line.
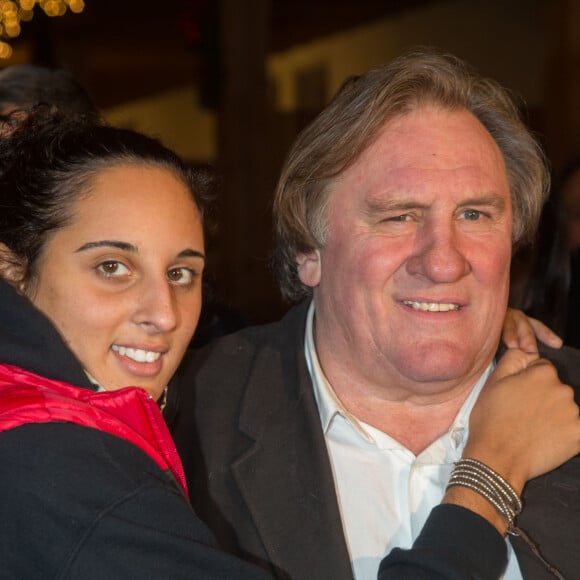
[(471, 500), (456, 543)]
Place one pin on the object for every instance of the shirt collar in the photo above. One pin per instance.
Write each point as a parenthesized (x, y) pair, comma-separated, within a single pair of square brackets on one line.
[(328, 403)]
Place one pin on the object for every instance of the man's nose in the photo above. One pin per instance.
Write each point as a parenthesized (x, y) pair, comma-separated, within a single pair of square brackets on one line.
[(438, 254), (157, 307)]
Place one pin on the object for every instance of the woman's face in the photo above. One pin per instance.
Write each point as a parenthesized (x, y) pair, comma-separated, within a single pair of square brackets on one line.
[(122, 281)]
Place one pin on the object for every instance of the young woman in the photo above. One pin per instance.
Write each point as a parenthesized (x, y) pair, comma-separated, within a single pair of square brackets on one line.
[(100, 235)]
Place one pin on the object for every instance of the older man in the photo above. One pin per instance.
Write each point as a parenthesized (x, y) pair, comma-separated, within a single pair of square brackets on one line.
[(324, 441)]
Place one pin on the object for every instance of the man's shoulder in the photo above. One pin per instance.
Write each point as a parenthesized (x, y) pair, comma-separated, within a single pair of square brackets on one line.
[(567, 363), (551, 519), (551, 510), (282, 336), (261, 366)]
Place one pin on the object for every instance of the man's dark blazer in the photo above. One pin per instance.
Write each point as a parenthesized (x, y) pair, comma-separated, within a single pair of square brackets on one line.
[(250, 436)]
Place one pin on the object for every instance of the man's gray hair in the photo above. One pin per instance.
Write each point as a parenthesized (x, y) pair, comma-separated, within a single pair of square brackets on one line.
[(349, 124)]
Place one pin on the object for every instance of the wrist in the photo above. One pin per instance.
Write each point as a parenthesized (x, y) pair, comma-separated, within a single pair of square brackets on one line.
[(506, 467), (471, 500), (478, 477)]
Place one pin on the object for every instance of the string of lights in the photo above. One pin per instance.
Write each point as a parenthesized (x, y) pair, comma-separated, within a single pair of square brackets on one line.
[(13, 12)]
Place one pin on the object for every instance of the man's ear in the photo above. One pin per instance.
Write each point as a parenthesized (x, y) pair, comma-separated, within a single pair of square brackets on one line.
[(309, 268), (12, 268)]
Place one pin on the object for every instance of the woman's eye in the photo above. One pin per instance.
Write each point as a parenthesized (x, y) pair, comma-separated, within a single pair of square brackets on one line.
[(112, 268), (182, 276)]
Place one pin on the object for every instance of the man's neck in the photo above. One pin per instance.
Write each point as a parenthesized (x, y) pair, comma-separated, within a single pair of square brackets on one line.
[(415, 417), (413, 426), (413, 414)]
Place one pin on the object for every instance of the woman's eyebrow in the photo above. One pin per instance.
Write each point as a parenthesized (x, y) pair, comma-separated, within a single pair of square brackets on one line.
[(189, 253), (108, 243), (125, 246)]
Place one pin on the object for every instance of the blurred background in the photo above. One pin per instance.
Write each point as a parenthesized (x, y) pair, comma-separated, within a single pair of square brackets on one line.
[(229, 83)]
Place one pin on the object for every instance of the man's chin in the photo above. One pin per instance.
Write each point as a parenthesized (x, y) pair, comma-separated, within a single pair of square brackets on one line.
[(449, 364)]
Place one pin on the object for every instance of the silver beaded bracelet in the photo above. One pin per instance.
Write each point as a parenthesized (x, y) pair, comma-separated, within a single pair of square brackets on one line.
[(492, 486), (498, 492)]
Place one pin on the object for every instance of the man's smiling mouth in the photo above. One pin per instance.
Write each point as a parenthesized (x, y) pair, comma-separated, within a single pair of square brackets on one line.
[(431, 306)]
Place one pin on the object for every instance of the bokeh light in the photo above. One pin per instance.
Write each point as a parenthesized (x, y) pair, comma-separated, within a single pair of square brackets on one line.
[(13, 12)]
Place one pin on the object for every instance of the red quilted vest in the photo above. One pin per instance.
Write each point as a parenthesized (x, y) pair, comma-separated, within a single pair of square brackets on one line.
[(128, 413)]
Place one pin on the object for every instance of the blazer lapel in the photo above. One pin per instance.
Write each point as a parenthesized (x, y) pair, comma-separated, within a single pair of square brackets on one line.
[(285, 477)]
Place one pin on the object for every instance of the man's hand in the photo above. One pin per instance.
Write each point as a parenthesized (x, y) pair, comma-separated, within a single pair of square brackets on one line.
[(523, 332)]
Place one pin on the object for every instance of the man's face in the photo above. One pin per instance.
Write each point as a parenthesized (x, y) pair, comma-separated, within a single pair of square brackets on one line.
[(411, 287)]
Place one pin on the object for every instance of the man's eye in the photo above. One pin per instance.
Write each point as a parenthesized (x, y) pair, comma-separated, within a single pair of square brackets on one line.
[(182, 276), (112, 268), (471, 214), (399, 218)]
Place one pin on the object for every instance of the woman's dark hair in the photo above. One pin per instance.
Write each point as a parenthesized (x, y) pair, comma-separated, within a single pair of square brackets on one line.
[(49, 160)]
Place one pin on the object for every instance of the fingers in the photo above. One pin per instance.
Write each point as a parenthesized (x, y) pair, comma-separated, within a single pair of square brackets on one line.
[(518, 331), (523, 332), (509, 330), (512, 362), (545, 334)]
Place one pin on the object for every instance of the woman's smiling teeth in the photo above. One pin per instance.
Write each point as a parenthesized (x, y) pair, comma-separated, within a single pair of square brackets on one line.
[(431, 306), (137, 354)]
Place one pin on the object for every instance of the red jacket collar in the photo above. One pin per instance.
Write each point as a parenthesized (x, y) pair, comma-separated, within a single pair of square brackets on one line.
[(128, 413)]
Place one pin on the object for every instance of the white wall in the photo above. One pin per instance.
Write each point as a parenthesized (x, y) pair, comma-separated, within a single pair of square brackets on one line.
[(174, 117), (500, 38)]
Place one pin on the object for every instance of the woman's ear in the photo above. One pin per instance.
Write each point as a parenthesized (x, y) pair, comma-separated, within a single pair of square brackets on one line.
[(309, 268), (12, 269)]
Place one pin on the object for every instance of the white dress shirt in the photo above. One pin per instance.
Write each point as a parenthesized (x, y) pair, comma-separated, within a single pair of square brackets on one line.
[(385, 492)]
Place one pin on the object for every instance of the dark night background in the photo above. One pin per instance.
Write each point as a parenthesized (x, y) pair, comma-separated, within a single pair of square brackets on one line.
[(230, 83)]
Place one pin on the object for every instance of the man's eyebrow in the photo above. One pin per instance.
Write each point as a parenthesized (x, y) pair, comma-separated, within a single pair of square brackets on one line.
[(376, 206), (125, 246), (489, 199)]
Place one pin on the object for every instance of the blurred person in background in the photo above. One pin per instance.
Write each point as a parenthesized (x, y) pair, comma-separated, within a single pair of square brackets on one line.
[(22, 86)]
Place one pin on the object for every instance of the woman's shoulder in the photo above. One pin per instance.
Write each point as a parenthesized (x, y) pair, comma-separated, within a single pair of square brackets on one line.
[(74, 491)]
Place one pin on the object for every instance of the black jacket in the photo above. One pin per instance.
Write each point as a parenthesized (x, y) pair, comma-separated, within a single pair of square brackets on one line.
[(77, 502), (250, 437)]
